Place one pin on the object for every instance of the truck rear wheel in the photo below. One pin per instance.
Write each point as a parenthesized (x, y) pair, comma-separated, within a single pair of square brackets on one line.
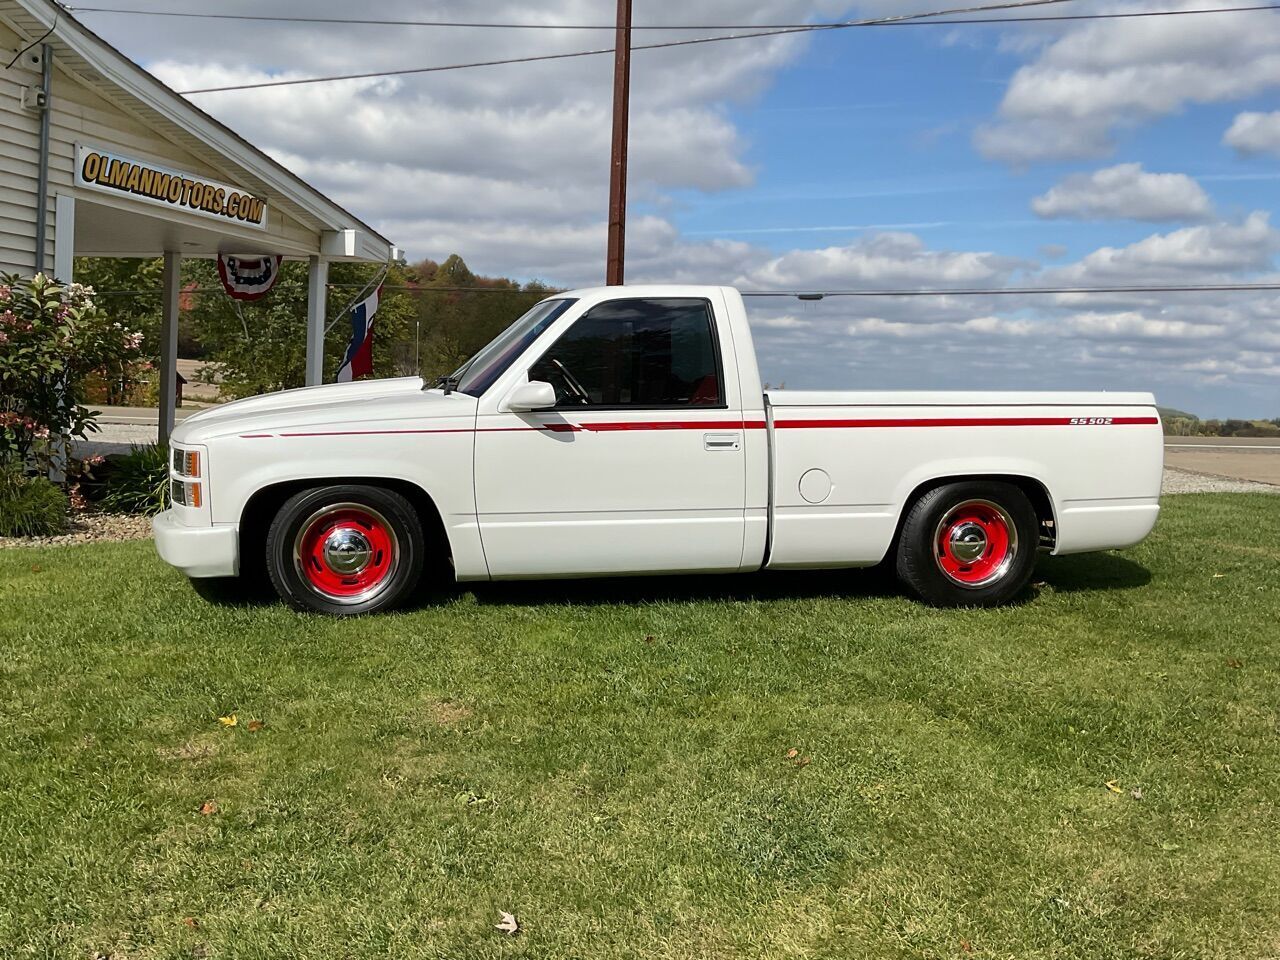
[(969, 544), (345, 549)]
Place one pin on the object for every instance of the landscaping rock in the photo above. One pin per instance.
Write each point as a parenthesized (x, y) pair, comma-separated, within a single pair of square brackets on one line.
[(1184, 481), (89, 528)]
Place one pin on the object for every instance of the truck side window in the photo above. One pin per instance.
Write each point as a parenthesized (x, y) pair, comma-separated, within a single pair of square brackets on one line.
[(636, 353)]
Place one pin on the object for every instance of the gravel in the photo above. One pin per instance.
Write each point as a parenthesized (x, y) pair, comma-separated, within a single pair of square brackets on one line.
[(1184, 481), (100, 527), (89, 528)]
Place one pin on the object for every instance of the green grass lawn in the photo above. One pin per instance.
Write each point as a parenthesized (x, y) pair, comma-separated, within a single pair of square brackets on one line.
[(609, 762)]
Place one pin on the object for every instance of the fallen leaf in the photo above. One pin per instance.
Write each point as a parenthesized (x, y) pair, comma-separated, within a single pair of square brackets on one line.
[(792, 753), (803, 761), (36, 568), (190, 922), (648, 638), (1113, 787), (1136, 793), (1235, 663), (254, 726), (508, 923), (966, 946), (1218, 576), (229, 720), (208, 808)]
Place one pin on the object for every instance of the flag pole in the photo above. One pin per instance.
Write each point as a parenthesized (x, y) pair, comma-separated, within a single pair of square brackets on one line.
[(371, 285)]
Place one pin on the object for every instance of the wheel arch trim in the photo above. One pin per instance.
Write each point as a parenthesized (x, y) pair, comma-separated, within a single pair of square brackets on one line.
[(265, 502), (1036, 490)]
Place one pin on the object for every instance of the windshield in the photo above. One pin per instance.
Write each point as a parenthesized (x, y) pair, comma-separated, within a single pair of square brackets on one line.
[(479, 373)]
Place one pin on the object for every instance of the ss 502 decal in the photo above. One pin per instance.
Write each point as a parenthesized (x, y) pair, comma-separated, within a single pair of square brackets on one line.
[(1091, 421)]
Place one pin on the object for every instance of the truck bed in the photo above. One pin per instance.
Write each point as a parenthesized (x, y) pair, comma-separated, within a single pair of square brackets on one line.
[(847, 463)]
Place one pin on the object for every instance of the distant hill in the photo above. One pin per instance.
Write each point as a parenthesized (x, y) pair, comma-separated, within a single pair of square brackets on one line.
[(1179, 423)]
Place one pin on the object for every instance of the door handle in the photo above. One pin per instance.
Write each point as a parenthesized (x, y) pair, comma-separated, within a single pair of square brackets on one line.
[(722, 441)]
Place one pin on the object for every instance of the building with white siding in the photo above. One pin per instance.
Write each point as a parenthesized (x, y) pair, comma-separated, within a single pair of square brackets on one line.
[(99, 158)]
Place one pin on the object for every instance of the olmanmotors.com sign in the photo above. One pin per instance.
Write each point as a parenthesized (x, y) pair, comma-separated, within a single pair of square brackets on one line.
[(110, 172)]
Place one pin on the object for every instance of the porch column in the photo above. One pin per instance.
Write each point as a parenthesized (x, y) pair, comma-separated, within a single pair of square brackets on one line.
[(172, 290), (317, 294), (64, 237), (64, 248)]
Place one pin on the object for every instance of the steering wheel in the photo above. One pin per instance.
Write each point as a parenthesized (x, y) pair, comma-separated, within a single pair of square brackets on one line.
[(571, 381)]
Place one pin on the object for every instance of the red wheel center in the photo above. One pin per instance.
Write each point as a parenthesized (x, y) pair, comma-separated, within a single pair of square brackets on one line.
[(346, 553), (974, 543)]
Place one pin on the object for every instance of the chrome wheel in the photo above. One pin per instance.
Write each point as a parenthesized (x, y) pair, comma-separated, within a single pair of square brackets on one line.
[(975, 543), (347, 553)]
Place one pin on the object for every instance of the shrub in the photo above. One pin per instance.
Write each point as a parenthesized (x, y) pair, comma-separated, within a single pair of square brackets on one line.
[(52, 337), (138, 481), (30, 506)]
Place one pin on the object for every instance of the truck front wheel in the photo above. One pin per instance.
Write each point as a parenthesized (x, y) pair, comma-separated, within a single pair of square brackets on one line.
[(345, 549), (970, 544)]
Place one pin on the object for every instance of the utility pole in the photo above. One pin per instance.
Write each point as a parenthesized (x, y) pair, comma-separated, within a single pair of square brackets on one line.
[(618, 165)]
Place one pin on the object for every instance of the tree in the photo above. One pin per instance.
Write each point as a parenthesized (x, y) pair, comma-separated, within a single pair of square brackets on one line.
[(129, 291), (261, 346), (52, 337), (433, 316)]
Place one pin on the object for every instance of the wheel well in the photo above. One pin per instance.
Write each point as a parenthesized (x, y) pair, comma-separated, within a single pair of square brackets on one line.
[(258, 512), (1041, 502)]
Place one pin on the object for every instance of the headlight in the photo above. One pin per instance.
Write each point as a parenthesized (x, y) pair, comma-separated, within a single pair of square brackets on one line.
[(186, 463), (184, 487), (185, 493)]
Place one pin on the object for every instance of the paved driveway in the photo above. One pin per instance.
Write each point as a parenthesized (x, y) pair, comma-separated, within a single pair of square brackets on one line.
[(1240, 458)]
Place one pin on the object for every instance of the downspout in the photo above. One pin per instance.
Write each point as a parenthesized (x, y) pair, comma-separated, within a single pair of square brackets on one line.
[(42, 187)]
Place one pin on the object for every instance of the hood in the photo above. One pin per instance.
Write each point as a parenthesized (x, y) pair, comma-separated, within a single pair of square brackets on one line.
[(365, 401)]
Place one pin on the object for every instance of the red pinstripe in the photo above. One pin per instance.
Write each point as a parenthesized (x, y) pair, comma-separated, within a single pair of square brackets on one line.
[(960, 422), (644, 425)]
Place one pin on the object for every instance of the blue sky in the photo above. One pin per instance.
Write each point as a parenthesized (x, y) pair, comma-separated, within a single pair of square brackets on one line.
[(1140, 152), (873, 127)]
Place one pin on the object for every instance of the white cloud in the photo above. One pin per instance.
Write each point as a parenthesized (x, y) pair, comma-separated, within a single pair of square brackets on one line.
[(1191, 254), (507, 165), (1132, 324), (1127, 192), (1107, 76), (1183, 346), (882, 259), (1253, 132)]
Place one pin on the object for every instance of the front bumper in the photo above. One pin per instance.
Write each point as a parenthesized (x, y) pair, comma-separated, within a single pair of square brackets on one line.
[(209, 551)]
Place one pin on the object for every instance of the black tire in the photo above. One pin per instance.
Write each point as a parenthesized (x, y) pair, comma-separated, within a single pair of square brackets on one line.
[(345, 550), (970, 544)]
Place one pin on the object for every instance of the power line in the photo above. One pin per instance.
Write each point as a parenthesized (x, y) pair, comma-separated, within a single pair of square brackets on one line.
[(916, 20), (1029, 291), (353, 21), (803, 294), (878, 21), (511, 25), (1085, 16)]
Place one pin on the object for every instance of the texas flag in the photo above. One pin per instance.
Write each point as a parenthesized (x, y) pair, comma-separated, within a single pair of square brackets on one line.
[(359, 359)]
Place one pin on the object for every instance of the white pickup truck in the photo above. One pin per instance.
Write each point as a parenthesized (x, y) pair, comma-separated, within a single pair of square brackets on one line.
[(624, 430)]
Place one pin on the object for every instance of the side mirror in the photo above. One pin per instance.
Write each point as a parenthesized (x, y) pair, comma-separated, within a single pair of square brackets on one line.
[(534, 395)]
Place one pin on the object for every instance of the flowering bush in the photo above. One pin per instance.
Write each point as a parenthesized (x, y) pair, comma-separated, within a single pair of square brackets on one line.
[(51, 338)]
